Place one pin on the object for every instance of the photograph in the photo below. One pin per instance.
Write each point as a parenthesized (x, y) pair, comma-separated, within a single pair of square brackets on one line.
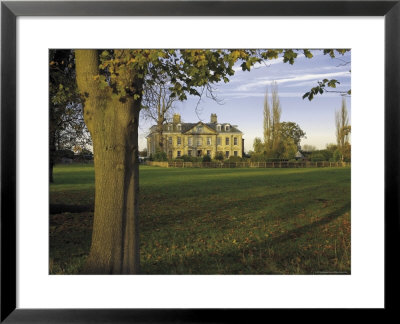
[(200, 161)]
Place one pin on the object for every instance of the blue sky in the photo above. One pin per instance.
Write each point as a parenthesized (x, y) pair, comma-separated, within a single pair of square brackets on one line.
[(242, 99)]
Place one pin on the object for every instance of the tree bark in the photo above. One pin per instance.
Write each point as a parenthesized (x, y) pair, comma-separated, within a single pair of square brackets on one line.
[(52, 155), (52, 142), (113, 125)]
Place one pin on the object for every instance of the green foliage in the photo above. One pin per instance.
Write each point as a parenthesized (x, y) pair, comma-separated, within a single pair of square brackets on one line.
[(286, 149), (336, 156), (347, 152), (143, 153), (128, 72), (234, 159), (206, 158), (343, 130), (219, 221), (67, 129), (321, 155), (257, 157), (324, 84), (331, 147), (160, 156), (290, 131), (321, 88), (258, 145), (65, 154), (219, 156), (187, 158)]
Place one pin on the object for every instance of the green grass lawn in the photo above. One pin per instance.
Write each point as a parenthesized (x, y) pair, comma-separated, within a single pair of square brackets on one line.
[(217, 221)]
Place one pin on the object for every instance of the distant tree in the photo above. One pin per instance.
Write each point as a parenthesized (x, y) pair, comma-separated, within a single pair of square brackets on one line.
[(281, 139), (206, 158), (343, 129), (308, 148), (157, 105), (347, 152), (65, 153), (258, 157), (258, 145), (276, 116), (219, 156), (234, 159), (286, 149), (331, 147), (267, 122), (272, 115), (322, 155), (160, 156), (143, 153), (291, 130), (67, 129)]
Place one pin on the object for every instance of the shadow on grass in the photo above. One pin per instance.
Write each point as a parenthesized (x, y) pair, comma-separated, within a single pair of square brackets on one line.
[(233, 258), (298, 232), (62, 208), (182, 211)]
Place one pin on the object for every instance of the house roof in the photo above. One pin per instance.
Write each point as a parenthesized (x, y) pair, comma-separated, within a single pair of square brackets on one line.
[(186, 127)]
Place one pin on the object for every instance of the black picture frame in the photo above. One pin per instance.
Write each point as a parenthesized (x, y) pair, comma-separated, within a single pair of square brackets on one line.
[(10, 10)]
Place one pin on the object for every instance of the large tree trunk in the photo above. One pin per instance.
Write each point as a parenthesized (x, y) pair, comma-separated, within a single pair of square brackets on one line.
[(114, 129), (52, 142), (52, 156)]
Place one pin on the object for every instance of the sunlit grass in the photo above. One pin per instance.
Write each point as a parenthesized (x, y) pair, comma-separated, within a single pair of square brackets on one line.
[(210, 221)]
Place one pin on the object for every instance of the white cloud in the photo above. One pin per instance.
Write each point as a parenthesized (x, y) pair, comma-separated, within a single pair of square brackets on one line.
[(296, 78), (241, 95)]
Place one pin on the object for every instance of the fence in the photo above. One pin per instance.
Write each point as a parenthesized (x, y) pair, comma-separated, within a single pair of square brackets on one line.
[(249, 164)]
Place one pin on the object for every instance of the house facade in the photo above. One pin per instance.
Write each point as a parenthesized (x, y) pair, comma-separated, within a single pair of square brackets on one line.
[(196, 139)]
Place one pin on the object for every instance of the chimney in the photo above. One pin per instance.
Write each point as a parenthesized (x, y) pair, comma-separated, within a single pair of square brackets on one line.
[(213, 118), (176, 119)]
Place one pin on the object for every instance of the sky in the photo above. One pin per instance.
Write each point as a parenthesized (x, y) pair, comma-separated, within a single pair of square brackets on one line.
[(241, 101)]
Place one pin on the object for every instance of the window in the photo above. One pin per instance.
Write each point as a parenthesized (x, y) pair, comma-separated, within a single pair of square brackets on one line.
[(189, 152), (227, 154), (226, 128), (190, 143), (226, 140), (208, 140), (199, 153), (208, 152), (199, 141), (169, 127), (218, 140), (218, 128), (199, 129), (178, 153), (179, 140), (235, 141), (178, 127), (170, 140), (235, 153)]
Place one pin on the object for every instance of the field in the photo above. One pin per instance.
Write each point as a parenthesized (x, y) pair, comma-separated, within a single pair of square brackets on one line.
[(216, 221)]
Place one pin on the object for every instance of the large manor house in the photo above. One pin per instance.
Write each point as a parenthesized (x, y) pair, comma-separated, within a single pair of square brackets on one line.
[(197, 139)]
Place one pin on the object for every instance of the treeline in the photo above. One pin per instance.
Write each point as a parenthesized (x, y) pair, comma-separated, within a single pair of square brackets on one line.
[(281, 139), (332, 153)]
